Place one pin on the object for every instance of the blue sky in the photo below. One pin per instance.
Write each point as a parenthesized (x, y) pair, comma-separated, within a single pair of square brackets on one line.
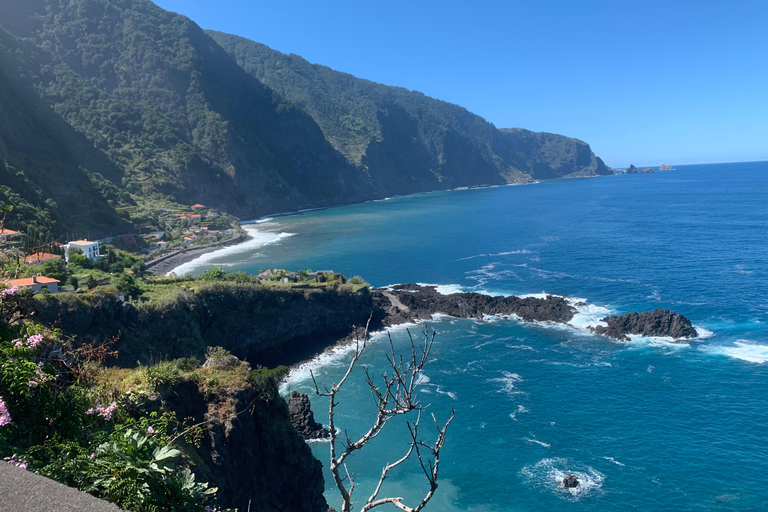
[(642, 82)]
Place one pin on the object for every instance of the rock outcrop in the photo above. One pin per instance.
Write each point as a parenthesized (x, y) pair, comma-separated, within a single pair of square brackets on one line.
[(631, 169), (666, 167), (302, 418), (249, 449), (646, 170), (659, 322), (412, 302), (570, 481)]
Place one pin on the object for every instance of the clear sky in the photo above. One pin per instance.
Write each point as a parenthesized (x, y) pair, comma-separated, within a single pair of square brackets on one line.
[(642, 82)]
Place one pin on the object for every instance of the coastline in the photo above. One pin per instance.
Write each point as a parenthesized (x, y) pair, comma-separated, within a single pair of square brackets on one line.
[(170, 263), (175, 261)]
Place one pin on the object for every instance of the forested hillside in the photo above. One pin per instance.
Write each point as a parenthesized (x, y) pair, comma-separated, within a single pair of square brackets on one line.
[(111, 109), (408, 137)]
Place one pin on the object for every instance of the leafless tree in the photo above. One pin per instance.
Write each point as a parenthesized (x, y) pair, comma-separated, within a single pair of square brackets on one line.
[(394, 396)]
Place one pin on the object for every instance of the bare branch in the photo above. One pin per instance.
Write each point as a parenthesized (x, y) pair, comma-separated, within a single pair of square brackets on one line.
[(395, 396)]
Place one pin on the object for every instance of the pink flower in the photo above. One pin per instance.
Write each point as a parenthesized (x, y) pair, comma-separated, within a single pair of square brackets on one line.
[(150, 430), (9, 291), (35, 340), (32, 383), (18, 343), (5, 418), (105, 413)]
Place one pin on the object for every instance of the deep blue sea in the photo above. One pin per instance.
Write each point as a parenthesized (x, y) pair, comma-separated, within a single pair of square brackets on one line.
[(648, 425)]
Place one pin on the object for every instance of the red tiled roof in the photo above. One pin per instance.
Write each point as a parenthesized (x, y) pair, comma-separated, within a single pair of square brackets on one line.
[(40, 257), (7, 232), (29, 281), (196, 206)]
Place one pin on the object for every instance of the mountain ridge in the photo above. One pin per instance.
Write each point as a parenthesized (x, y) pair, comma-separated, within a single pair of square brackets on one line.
[(135, 106)]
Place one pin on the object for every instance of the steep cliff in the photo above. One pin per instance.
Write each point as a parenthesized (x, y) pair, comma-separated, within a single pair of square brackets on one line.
[(263, 325), (250, 451), (407, 141)]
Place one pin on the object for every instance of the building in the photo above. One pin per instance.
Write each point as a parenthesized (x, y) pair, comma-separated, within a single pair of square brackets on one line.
[(7, 234), (197, 206), (35, 283), (39, 257), (90, 249)]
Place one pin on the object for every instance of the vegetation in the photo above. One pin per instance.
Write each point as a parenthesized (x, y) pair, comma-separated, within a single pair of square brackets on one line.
[(114, 112), (424, 140), (61, 417)]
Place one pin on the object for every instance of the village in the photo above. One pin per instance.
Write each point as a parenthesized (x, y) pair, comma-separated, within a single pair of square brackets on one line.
[(82, 264), (127, 261)]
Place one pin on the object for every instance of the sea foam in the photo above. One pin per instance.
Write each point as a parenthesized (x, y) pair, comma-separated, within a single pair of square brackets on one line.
[(745, 350), (548, 474), (258, 239)]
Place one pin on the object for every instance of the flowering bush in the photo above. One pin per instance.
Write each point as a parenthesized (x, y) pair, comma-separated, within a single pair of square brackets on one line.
[(51, 423)]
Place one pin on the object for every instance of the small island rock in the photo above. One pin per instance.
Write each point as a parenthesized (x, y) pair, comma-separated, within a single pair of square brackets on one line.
[(570, 481), (302, 418)]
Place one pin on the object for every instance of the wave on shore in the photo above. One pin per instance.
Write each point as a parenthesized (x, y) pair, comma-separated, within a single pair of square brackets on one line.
[(258, 237)]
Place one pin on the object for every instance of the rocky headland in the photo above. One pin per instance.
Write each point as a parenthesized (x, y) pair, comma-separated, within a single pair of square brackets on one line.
[(413, 302)]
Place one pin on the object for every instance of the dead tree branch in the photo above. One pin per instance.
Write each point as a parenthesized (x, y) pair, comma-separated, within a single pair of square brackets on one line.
[(394, 396)]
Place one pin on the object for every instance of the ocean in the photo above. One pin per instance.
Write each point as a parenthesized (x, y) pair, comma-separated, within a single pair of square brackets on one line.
[(649, 424)]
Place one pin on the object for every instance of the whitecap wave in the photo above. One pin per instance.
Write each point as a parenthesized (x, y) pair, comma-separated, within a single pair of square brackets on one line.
[(745, 350), (259, 239), (520, 410), (508, 381), (639, 341), (548, 474), (536, 441), (702, 333), (587, 315)]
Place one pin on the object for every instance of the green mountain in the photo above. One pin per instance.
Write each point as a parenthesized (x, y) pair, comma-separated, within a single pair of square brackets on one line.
[(110, 109), (405, 137)]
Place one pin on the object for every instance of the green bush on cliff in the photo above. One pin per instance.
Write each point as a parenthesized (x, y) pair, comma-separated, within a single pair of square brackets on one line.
[(55, 422)]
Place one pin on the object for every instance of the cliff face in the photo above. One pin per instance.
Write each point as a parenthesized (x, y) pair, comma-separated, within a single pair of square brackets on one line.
[(137, 103), (406, 141), (262, 325), (255, 458)]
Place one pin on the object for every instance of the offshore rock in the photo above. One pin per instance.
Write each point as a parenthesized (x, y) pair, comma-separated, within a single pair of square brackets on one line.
[(631, 169), (302, 418), (646, 170), (411, 302), (666, 167), (570, 481), (659, 322)]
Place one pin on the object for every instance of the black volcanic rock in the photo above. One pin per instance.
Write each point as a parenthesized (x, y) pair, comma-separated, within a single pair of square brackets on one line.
[(631, 169), (570, 481), (646, 170), (302, 418), (659, 322), (412, 302)]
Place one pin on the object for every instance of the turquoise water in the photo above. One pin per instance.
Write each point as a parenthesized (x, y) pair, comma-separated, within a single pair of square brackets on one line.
[(647, 425)]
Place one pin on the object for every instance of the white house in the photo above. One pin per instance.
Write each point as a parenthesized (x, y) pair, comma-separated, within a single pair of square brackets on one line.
[(90, 249)]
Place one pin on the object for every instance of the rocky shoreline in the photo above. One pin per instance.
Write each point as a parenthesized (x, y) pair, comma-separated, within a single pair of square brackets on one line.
[(412, 302)]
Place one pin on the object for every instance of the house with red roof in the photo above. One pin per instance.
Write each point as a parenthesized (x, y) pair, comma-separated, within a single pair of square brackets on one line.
[(39, 257), (7, 234), (35, 283)]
